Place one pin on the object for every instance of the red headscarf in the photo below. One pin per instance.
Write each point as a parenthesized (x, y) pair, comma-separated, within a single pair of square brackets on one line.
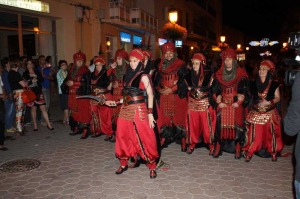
[(79, 56), (137, 53), (121, 53)]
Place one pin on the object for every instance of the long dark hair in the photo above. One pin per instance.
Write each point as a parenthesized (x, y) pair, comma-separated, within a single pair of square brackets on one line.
[(262, 86)]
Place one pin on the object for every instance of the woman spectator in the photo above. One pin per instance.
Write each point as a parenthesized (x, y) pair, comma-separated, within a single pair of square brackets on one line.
[(63, 98), (17, 83), (35, 80)]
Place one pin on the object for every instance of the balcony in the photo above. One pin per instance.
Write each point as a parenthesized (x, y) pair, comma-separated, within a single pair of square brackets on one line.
[(132, 17)]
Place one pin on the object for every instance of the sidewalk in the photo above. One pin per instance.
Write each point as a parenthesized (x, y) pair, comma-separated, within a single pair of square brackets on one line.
[(74, 168)]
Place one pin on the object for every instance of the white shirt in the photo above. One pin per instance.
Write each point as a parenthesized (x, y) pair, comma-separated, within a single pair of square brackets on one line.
[(1, 86), (92, 67)]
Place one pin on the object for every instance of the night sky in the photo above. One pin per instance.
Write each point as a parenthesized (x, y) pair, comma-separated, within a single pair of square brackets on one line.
[(257, 18)]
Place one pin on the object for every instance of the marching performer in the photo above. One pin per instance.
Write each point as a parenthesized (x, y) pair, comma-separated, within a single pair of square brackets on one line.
[(135, 134), (230, 93), (76, 84), (101, 115), (263, 120), (201, 120), (172, 93)]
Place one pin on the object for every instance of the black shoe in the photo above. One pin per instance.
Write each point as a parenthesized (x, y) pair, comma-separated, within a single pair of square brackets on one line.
[(107, 138), (35, 129), (51, 129), (153, 174), (112, 139), (3, 149), (95, 135), (121, 170)]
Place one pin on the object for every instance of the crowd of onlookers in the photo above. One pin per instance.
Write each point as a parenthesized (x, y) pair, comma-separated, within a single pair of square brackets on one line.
[(18, 74)]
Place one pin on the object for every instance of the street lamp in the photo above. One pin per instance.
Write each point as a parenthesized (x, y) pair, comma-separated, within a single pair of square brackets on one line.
[(239, 46), (173, 15), (222, 39), (284, 45), (222, 43)]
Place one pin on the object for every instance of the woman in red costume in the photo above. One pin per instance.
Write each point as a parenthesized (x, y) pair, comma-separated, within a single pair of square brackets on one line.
[(116, 72), (76, 84), (101, 115), (263, 120), (135, 134), (230, 94), (201, 120), (171, 99)]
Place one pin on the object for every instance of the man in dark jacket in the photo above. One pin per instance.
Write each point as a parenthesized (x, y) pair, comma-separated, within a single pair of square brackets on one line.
[(292, 127)]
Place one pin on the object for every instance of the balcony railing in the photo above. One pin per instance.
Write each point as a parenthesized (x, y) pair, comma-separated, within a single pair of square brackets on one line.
[(118, 11), (132, 16)]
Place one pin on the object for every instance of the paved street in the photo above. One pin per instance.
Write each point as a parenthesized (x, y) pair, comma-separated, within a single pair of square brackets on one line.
[(74, 168)]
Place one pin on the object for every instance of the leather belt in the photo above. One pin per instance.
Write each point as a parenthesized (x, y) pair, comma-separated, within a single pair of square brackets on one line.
[(127, 99)]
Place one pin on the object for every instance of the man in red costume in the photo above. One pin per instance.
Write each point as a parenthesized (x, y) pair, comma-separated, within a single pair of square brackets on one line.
[(230, 90), (116, 72), (171, 99), (101, 115), (201, 120), (77, 83), (263, 121)]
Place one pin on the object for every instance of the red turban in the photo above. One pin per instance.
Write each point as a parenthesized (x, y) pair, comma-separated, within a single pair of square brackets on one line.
[(147, 53), (99, 59), (79, 56), (169, 46), (137, 53), (228, 53), (268, 63), (200, 57), (121, 53)]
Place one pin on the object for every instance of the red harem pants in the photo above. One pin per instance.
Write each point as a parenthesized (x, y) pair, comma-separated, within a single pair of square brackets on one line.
[(201, 123), (264, 136), (134, 136)]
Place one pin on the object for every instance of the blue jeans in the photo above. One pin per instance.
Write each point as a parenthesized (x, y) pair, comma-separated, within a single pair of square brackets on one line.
[(297, 189), (10, 113)]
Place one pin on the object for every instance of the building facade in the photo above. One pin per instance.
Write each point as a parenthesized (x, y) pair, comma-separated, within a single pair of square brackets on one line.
[(60, 28)]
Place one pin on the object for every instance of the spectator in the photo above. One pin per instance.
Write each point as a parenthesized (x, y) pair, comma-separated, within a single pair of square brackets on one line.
[(34, 79), (10, 111), (47, 75), (17, 84), (63, 98), (22, 68), (2, 114)]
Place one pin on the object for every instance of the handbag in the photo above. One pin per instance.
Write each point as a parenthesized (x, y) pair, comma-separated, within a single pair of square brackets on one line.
[(28, 95)]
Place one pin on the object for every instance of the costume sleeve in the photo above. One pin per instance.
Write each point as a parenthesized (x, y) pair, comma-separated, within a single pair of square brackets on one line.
[(182, 86), (243, 89), (215, 91), (292, 118)]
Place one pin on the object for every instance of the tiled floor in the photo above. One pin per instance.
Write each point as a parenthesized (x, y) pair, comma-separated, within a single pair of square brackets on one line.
[(74, 168)]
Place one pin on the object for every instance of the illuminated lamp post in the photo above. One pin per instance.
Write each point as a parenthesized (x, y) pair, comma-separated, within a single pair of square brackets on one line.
[(222, 44), (173, 15)]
